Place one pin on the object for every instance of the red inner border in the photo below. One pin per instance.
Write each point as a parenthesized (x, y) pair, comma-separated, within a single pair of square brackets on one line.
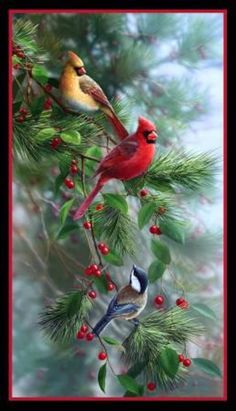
[(11, 12)]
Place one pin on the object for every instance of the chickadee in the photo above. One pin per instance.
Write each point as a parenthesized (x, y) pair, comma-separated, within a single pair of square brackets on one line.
[(129, 302)]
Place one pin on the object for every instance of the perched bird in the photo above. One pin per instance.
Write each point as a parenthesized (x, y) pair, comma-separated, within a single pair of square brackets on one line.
[(127, 160), (129, 301), (80, 92)]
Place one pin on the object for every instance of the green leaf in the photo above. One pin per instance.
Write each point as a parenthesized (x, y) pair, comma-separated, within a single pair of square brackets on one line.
[(204, 310), (207, 366), (116, 201), (65, 210), (161, 251), (156, 271), (102, 377), (129, 384), (174, 231), (67, 229), (71, 137), (145, 213), (111, 341), (45, 134), (113, 259), (40, 74), (37, 106), (169, 361), (101, 284)]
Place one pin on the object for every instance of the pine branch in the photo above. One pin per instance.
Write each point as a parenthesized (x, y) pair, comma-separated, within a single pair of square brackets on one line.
[(156, 331), (62, 320), (115, 227), (182, 170)]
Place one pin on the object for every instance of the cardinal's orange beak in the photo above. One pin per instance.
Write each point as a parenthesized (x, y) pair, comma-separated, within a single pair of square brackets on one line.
[(81, 71)]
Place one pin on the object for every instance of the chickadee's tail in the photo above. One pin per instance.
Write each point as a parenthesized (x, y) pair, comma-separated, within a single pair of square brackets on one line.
[(101, 324)]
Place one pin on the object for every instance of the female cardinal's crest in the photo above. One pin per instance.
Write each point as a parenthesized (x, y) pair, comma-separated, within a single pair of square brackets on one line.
[(145, 124), (75, 60)]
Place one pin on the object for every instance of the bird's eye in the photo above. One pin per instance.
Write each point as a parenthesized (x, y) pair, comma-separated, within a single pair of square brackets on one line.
[(145, 133)]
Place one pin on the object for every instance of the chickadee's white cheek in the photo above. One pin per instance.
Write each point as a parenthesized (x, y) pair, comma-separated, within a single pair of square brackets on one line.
[(135, 284)]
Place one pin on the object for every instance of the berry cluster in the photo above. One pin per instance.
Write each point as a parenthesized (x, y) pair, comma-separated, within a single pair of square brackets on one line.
[(23, 112), (186, 361), (83, 333), (47, 105), (56, 141), (93, 269), (103, 248), (154, 229), (18, 52), (73, 167)]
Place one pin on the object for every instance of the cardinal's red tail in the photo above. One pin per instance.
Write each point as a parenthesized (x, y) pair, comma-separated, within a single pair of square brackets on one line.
[(118, 126), (86, 203)]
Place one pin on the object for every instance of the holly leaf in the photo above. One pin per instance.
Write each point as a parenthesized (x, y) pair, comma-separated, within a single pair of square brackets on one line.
[(113, 259), (175, 231), (65, 210), (207, 366), (145, 213), (71, 137), (116, 201), (67, 229), (40, 74), (204, 310), (111, 341), (102, 376), (129, 384), (45, 134), (161, 251), (169, 361), (156, 271)]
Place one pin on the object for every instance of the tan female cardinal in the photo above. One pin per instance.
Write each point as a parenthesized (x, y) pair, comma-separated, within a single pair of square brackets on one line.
[(127, 160), (81, 93)]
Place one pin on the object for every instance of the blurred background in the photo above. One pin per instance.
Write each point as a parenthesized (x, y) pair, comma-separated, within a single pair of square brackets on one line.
[(169, 68)]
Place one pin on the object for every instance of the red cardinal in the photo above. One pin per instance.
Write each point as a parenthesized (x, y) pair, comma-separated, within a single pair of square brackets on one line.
[(127, 160)]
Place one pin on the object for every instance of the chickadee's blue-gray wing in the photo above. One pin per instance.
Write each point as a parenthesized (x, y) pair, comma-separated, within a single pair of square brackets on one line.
[(115, 309)]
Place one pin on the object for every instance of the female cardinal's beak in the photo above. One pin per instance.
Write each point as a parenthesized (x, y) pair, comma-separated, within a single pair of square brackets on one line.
[(81, 71)]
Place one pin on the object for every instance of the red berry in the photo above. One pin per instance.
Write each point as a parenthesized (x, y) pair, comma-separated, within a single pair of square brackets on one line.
[(55, 142), (48, 87), (94, 267), (105, 250), (151, 386), (110, 286), (80, 335), (88, 270), (69, 183), (101, 246), (16, 66), (21, 119), (97, 273), (74, 169), (161, 210), (143, 192), (92, 294), (185, 305), (47, 104), (84, 328), (159, 300), (187, 362), (181, 357), (155, 230), (87, 225), (20, 54), (90, 336), (23, 111), (180, 301), (99, 207), (102, 356)]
